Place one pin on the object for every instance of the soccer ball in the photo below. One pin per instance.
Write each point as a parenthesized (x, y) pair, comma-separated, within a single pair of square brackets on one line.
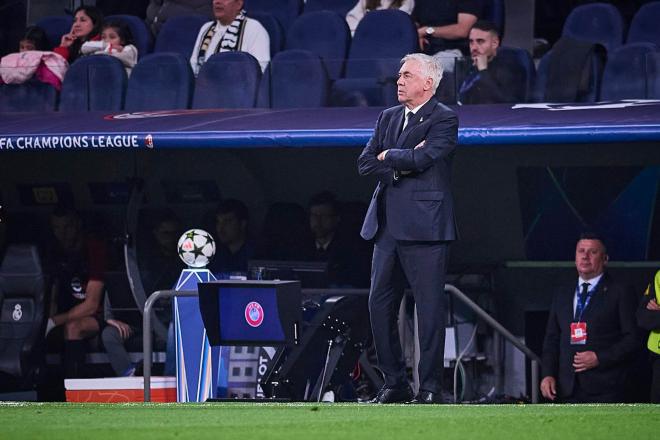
[(196, 248)]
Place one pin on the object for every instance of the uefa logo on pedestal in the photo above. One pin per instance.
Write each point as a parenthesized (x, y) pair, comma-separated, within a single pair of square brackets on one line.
[(254, 314)]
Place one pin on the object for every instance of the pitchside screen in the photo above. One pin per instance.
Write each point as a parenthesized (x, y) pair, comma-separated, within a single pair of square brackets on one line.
[(251, 312)]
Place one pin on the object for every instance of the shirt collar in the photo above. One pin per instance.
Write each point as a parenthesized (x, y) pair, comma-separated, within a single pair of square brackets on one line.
[(416, 109), (592, 282)]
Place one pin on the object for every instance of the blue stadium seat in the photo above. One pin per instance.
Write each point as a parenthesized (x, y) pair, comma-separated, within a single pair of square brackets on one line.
[(626, 72), (494, 11), (274, 29), (524, 60), (160, 81), (644, 25), (95, 82), (596, 22), (179, 34), (141, 33), (326, 34), (228, 80), (32, 96), (339, 6), (381, 39), (55, 26), (285, 11), (298, 80), (653, 77)]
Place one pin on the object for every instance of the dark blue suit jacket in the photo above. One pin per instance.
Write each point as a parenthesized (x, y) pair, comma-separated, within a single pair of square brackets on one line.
[(419, 205)]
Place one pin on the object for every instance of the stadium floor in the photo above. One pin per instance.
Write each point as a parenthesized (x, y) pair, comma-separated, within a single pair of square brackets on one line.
[(326, 421)]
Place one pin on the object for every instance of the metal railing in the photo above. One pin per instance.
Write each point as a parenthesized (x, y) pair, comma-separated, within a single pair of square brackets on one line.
[(492, 322)]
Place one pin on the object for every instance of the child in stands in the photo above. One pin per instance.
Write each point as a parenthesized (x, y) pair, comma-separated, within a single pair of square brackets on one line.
[(86, 27), (34, 39), (117, 41)]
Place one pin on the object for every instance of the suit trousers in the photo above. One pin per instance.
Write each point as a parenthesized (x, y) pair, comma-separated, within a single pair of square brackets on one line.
[(424, 265)]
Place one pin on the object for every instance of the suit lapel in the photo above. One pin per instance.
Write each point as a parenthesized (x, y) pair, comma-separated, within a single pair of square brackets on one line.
[(421, 116)]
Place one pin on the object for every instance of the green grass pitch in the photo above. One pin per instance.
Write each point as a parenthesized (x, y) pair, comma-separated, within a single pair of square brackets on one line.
[(326, 421)]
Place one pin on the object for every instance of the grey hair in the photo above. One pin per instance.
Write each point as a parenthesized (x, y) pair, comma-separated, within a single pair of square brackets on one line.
[(430, 67)]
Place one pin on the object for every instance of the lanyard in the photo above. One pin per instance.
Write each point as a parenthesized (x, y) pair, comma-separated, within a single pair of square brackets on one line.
[(580, 306)]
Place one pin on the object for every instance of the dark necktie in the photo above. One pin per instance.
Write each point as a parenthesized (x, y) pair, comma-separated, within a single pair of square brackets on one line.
[(406, 124), (582, 297)]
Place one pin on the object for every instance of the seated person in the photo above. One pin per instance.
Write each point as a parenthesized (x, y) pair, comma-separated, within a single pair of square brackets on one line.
[(355, 15), (491, 79), (77, 266), (86, 26), (231, 31), (116, 41), (33, 39), (233, 249), (443, 27)]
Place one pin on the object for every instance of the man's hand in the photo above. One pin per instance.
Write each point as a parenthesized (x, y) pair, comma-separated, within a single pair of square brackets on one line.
[(549, 387), (124, 329), (652, 305), (585, 360), (382, 154), (420, 145), (480, 62)]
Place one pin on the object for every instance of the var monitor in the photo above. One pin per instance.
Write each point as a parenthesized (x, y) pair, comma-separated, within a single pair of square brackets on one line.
[(259, 313)]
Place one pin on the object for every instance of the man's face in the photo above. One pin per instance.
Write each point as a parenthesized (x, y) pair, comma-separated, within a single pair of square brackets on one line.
[(590, 258), (323, 220), (229, 228), (166, 235), (225, 11), (412, 87), (67, 230), (483, 43)]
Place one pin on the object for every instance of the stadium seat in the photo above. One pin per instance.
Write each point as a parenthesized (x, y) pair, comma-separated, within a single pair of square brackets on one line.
[(596, 22), (141, 33), (274, 29), (285, 11), (179, 34), (94, 83), (494, 11), (339, 6), (625, 73), (653, 77), (23, 289), (522, 58), (298, 80), (55, 26), (644, 25), (326, 34), (32, 96), (228, 80), (382, 38), (160, 81)]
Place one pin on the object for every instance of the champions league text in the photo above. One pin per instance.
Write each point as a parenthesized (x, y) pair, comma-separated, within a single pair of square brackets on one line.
[(68, 142)]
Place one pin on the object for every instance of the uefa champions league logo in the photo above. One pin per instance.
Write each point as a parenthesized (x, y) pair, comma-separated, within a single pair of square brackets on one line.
[(254, 314)]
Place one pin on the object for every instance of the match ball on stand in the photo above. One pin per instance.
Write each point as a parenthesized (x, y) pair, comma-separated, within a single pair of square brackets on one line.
[(196, 248)]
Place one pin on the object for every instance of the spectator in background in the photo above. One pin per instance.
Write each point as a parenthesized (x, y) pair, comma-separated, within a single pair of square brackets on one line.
[(33, 39), (491, 79), (159, 261), (233, 248), (87, 22), (648, 318), (591, 333), (231, 31), (355, 15), (443, 27), (159, 11), (78, 264), (116, 41)]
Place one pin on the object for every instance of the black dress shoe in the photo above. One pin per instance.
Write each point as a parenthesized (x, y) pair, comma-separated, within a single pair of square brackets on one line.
[(393, 395), (426, 397)]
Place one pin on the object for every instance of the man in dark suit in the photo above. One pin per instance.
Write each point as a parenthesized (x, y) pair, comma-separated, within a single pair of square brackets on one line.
[(411, 216), (591, 333)]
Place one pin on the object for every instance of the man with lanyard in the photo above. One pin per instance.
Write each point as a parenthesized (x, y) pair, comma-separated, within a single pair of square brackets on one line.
[(591, 333), (648, 317), (231, 31)]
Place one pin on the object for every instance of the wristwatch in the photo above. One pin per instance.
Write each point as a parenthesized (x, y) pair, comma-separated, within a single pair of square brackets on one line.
[(430, 30)]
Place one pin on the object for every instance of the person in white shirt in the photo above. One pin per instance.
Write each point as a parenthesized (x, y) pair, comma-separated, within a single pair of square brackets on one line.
[(231, 31), (363, 6), (116, 41)]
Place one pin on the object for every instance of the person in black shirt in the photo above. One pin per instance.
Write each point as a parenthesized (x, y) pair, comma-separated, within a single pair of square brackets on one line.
[(492, 78)]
